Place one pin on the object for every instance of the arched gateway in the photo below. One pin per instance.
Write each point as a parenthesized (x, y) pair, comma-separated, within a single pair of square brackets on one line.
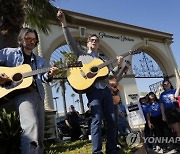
[(115, 39)]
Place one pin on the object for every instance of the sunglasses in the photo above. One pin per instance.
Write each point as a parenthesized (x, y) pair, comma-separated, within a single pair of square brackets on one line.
[(166, 84), (93, 40), (28, 39)]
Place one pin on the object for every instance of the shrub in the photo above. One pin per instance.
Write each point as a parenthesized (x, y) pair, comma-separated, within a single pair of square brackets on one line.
[(10, 132)]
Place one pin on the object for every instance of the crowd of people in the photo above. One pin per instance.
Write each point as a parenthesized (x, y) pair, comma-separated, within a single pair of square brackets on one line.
[(104, 102), (162, 116)]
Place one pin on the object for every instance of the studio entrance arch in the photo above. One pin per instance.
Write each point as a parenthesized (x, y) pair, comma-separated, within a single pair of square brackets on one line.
[(115, 38)]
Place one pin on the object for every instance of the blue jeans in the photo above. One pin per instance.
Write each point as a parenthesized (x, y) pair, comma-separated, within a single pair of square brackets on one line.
[(31, 112), (102, 106), (123, 126)]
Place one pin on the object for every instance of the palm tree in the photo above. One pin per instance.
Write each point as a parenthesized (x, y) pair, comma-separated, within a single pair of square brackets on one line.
[(61, 76), (81, 104), (14, 13), (60, 84), (73, 95), (77, 101), (70, 57)]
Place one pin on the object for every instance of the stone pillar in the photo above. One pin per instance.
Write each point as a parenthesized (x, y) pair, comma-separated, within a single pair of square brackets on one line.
[(48, 101), (129, 93)]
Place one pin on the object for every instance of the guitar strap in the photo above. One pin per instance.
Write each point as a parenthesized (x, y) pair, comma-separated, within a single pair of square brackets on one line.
[(102, 58), (35, 62), (34, 84)]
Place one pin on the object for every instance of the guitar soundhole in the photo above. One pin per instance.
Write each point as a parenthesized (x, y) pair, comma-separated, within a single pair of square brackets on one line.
[(94, 69), (17, 77)]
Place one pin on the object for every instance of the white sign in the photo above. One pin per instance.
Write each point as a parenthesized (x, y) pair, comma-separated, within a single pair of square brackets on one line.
[(135, 115)]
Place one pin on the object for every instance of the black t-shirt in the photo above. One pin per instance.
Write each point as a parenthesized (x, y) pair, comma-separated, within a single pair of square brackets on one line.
[(73, 119), (88, 117), (27, 58)]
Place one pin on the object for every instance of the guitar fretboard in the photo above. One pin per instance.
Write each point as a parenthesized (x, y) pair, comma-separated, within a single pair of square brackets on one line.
[(112, 60), (35, 72), (43, 70)]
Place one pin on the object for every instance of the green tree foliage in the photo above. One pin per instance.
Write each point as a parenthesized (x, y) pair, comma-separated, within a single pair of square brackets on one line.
[(10, 132), (59, 84), (15, 13)]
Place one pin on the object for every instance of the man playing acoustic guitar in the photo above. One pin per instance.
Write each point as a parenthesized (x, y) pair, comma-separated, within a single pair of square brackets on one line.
[(30, 102), (99, 96)]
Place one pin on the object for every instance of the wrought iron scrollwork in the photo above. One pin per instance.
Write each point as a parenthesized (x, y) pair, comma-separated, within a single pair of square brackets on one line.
[(145, 66)]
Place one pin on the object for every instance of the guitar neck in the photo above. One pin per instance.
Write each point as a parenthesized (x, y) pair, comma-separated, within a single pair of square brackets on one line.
[(112, 60), (35, 72), (44, 70)]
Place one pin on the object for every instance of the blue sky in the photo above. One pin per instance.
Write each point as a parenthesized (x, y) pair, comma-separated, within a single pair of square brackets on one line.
[(161, 15)]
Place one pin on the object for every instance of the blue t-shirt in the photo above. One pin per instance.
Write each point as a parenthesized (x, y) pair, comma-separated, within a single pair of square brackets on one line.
[(155, 109), (145, 109), (165, 98)]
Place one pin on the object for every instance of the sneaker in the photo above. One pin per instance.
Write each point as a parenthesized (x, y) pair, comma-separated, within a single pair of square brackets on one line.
[(165, 150), (118, 146), (160, 151), (154, 148)]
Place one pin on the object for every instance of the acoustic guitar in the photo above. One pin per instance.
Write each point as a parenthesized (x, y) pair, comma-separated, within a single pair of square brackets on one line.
[(81, 79), (115, 87), (22, 77)]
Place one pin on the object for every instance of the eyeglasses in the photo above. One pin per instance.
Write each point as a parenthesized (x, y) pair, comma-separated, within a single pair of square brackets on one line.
[(28, 39), (93, 40), (166, 84)]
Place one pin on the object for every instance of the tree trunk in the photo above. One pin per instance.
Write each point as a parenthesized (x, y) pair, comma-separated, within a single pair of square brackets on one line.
[(63, 89), (64, 103), (82, 111)]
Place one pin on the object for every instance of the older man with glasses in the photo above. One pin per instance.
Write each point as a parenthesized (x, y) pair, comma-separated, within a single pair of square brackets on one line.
[(29, 101)]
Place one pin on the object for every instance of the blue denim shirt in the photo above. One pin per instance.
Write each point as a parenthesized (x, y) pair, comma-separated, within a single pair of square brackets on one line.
[(12, 57)]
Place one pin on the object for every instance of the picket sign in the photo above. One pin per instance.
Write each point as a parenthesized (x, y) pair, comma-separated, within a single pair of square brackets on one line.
[(135, 115)]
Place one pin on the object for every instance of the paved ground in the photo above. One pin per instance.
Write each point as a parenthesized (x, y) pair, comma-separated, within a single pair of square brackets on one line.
[(173, 151), (142, 150)]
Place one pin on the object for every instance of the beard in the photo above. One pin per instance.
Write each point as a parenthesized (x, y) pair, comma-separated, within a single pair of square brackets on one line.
[(30, 46)]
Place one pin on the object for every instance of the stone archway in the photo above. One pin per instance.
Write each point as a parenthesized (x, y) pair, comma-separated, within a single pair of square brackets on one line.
[(117, 38)]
